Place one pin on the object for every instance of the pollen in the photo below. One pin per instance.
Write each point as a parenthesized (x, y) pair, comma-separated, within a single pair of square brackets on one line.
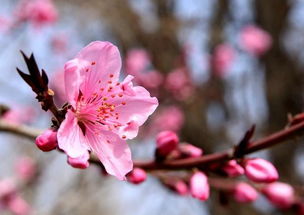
[(109, 82), (124, 136), (93, 63), (123, 103), (120, 94), (111, 76)]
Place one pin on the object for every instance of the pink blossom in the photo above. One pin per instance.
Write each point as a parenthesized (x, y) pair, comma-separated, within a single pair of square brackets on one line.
[(177, 79), (181, 188), (244, 193), (137, 176), (166, 142), (169, 118), (150, 79), (233, 169), (104, 112), (255, 40), (260, 171), (19, 115), (7, 187), (38, 12), (222, 59), (199, 186), (47, 141), (10, 199), (179, 83), (280, 194), (5, 24), (136, 61), (189, 150), (59, 43), (81, 162), (25, 168), (18, 206)]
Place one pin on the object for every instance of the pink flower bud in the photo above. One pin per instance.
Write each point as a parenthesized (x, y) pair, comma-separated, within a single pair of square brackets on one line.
[(244, 193), (137, 176), (199, 186), (189, 150), (47, 141), (25, 168), (81, 162), (260, 171), (233, 169), (181, 188), (279, 194), (166, 142)]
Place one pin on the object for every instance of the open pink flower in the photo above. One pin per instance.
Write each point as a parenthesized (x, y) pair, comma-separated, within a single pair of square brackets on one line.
[(104, 112)]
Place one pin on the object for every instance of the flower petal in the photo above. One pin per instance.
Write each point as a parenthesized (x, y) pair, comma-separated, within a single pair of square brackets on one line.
[(103, 64), (134, 107), (112, 151), (72, 80), (70, 137)]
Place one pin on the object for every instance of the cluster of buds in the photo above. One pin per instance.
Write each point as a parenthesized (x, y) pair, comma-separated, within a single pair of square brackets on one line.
[(261, 175)]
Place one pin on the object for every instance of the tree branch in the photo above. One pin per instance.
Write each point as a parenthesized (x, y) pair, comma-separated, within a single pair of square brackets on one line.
[(199, 162), (22, 130)]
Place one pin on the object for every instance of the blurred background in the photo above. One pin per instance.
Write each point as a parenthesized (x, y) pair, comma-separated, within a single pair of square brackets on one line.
[(216, 66)]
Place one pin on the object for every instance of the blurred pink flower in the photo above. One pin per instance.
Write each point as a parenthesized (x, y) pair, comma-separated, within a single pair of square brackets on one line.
[(59, 43), (5, 24), (47, 141), (18, 206), (189, 150), (137, 176), (10, 199), (244, 193), (104, 112), (255, 40), (150, 79), (81, 162), (260, 171), (25, 168), (233, 169), (38, 12), (7, 187), (199, 186), (179, 83), (181, 188), (168, 118), (19, 115), (166, 142), (136, 61), (222, 59), (279, 194)]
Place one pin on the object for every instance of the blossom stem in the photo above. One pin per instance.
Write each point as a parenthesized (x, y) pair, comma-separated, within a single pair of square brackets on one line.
[(205, 160), (199, 162)]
